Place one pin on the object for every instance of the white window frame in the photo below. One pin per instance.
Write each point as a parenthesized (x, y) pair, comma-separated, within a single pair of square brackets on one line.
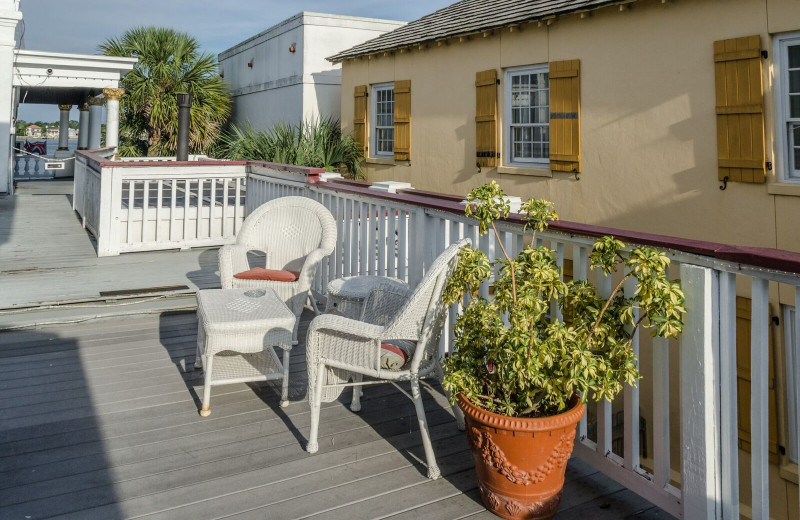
[(792, 377), (784, 158), (507, 156), (374, 128)]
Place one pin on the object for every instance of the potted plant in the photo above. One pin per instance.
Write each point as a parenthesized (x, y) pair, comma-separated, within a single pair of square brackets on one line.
[(520, 373)]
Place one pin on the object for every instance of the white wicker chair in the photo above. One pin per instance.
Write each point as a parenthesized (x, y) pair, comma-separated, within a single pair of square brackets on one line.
[(338, 348), (295, 233)]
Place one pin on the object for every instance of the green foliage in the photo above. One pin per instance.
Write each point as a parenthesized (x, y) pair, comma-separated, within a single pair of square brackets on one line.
[(170, 62), (318, 143), (512, 357)]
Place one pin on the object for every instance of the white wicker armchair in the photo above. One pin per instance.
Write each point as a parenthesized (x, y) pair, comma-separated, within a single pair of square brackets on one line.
[(295, 234), (338, 348)]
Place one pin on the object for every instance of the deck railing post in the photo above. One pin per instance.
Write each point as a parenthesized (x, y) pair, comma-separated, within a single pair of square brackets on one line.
[(700, 379), (107, 214)]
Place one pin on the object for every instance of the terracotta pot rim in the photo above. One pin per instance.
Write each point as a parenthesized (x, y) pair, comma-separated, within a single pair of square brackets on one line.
[(523, 424)]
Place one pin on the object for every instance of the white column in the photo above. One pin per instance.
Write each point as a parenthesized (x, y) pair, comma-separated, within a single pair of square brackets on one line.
[(63, 127), (113, 95), (83, 127), (9, 35), (95, 118)]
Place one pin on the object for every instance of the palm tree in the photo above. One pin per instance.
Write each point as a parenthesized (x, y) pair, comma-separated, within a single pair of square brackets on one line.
[(169, 62)]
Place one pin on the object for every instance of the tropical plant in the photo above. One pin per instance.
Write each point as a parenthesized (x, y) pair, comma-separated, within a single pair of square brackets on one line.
[(513, 355), (318, 143), (170, 62)]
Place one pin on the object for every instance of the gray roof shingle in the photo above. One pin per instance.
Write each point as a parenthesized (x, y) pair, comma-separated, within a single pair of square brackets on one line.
[(470, 16)]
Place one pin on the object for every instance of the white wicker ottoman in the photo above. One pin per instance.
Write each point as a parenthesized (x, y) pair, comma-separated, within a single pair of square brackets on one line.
[(236, 332), (346, 295)]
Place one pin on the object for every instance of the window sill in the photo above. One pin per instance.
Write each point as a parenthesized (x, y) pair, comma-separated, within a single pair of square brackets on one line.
[(532, 171), (784, 188), (380, 160)]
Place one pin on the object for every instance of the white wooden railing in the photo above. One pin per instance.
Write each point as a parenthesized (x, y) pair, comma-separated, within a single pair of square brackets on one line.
[(400, 235), (147, 206)]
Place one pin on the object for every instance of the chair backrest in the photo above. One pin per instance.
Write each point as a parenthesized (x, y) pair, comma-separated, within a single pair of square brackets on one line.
[(422, 317), (289, 228)]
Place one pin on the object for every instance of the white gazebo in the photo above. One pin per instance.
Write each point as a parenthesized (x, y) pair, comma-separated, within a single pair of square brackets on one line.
[(83, 80)]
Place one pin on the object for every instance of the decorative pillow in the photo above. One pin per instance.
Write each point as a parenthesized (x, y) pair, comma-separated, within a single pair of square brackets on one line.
[(275, 275), (395, 353)]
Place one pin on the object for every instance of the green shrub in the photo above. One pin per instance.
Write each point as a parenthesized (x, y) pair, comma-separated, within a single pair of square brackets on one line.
[(512, 357), (319, 144)]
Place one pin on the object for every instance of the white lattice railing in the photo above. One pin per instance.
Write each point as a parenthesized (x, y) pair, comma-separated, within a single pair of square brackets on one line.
[(690, 468)]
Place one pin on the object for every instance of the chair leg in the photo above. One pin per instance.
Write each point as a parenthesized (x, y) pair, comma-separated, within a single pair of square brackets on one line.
[(355, 404), (206, 410), (312, 445), (285, 384), (433, 468), (459, 415), (198, 357)]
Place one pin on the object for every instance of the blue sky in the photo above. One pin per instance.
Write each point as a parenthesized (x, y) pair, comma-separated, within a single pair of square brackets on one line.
[(80, 25)]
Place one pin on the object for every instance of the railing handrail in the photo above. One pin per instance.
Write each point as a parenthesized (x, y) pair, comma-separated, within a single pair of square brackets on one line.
[(766, 258)]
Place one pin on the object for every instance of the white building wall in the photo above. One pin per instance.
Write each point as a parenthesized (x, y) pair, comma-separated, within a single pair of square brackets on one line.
[(289, 86), (9, 20)]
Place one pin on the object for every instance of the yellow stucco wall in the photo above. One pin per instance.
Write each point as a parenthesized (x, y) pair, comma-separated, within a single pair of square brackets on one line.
[(648, 133), (648, 120)]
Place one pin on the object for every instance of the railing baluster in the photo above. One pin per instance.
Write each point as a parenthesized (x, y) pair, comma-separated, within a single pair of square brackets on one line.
[(131, 206), (759, 401), (335, 266), (173, 200), (631, 396), (237, 210), (382, 241), (346, 246), (199, 221), (391, 241), (579, 272), (354, 233), (187, 201), (729, 427), (364, 225), (159, 195), (224, 219), (403, 245), (555, 309), (604, 433), (145, 207), (372, 244)]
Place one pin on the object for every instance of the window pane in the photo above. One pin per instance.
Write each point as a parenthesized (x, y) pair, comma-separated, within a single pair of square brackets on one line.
[(794, 57), (796, 165), (794, 81), (794, 103)]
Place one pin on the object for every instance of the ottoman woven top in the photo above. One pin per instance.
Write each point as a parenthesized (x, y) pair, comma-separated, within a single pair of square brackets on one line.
[(356, 287), (243, 310)]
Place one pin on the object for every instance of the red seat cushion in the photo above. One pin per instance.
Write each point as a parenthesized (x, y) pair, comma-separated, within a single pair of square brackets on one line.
[(275, 275), (395, 353)]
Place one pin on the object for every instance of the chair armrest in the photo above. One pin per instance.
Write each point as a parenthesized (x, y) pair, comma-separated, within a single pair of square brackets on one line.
[(339, 325), (310, 267), (232, 260), (384, 302)]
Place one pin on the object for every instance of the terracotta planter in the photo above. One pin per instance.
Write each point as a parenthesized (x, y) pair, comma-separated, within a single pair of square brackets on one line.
[(521, 462)]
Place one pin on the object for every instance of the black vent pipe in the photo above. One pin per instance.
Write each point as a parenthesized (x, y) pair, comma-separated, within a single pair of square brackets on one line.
[(184, 109)]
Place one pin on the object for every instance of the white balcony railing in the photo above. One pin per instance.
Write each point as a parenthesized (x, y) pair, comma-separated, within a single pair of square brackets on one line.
[(146, 206), (30, 167), (691, 471)]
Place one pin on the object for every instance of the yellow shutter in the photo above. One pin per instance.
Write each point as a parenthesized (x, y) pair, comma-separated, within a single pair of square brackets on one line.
[(740, 109), (743, 320), (360, 117), (486, 118), (565, 116), (402, 120)]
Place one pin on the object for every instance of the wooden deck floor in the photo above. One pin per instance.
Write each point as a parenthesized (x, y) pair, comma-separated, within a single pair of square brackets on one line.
[(100, 420), (46, 257)]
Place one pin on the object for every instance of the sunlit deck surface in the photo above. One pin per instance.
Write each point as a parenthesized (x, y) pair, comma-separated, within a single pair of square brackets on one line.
[(100, 419), (47, 257)]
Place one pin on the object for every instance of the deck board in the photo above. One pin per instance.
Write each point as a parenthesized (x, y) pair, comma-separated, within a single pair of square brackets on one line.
[(111, 430), (100, 419)]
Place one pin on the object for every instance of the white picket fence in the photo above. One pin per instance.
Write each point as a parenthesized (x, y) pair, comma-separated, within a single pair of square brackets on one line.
[(400, 235)]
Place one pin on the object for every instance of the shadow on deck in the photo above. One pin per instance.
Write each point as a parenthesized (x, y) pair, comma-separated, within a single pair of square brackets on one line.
[(100, 420)]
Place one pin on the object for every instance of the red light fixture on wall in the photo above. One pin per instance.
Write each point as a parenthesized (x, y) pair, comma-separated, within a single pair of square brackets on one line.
[(250, 64), (292, 47)]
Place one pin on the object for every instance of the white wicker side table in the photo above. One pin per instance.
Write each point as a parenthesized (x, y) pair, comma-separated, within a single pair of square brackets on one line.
[(346, 295), (236, 332)]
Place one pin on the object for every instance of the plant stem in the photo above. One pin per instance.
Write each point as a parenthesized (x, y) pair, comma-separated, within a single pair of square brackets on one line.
[(608, 303), (510, 263)]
